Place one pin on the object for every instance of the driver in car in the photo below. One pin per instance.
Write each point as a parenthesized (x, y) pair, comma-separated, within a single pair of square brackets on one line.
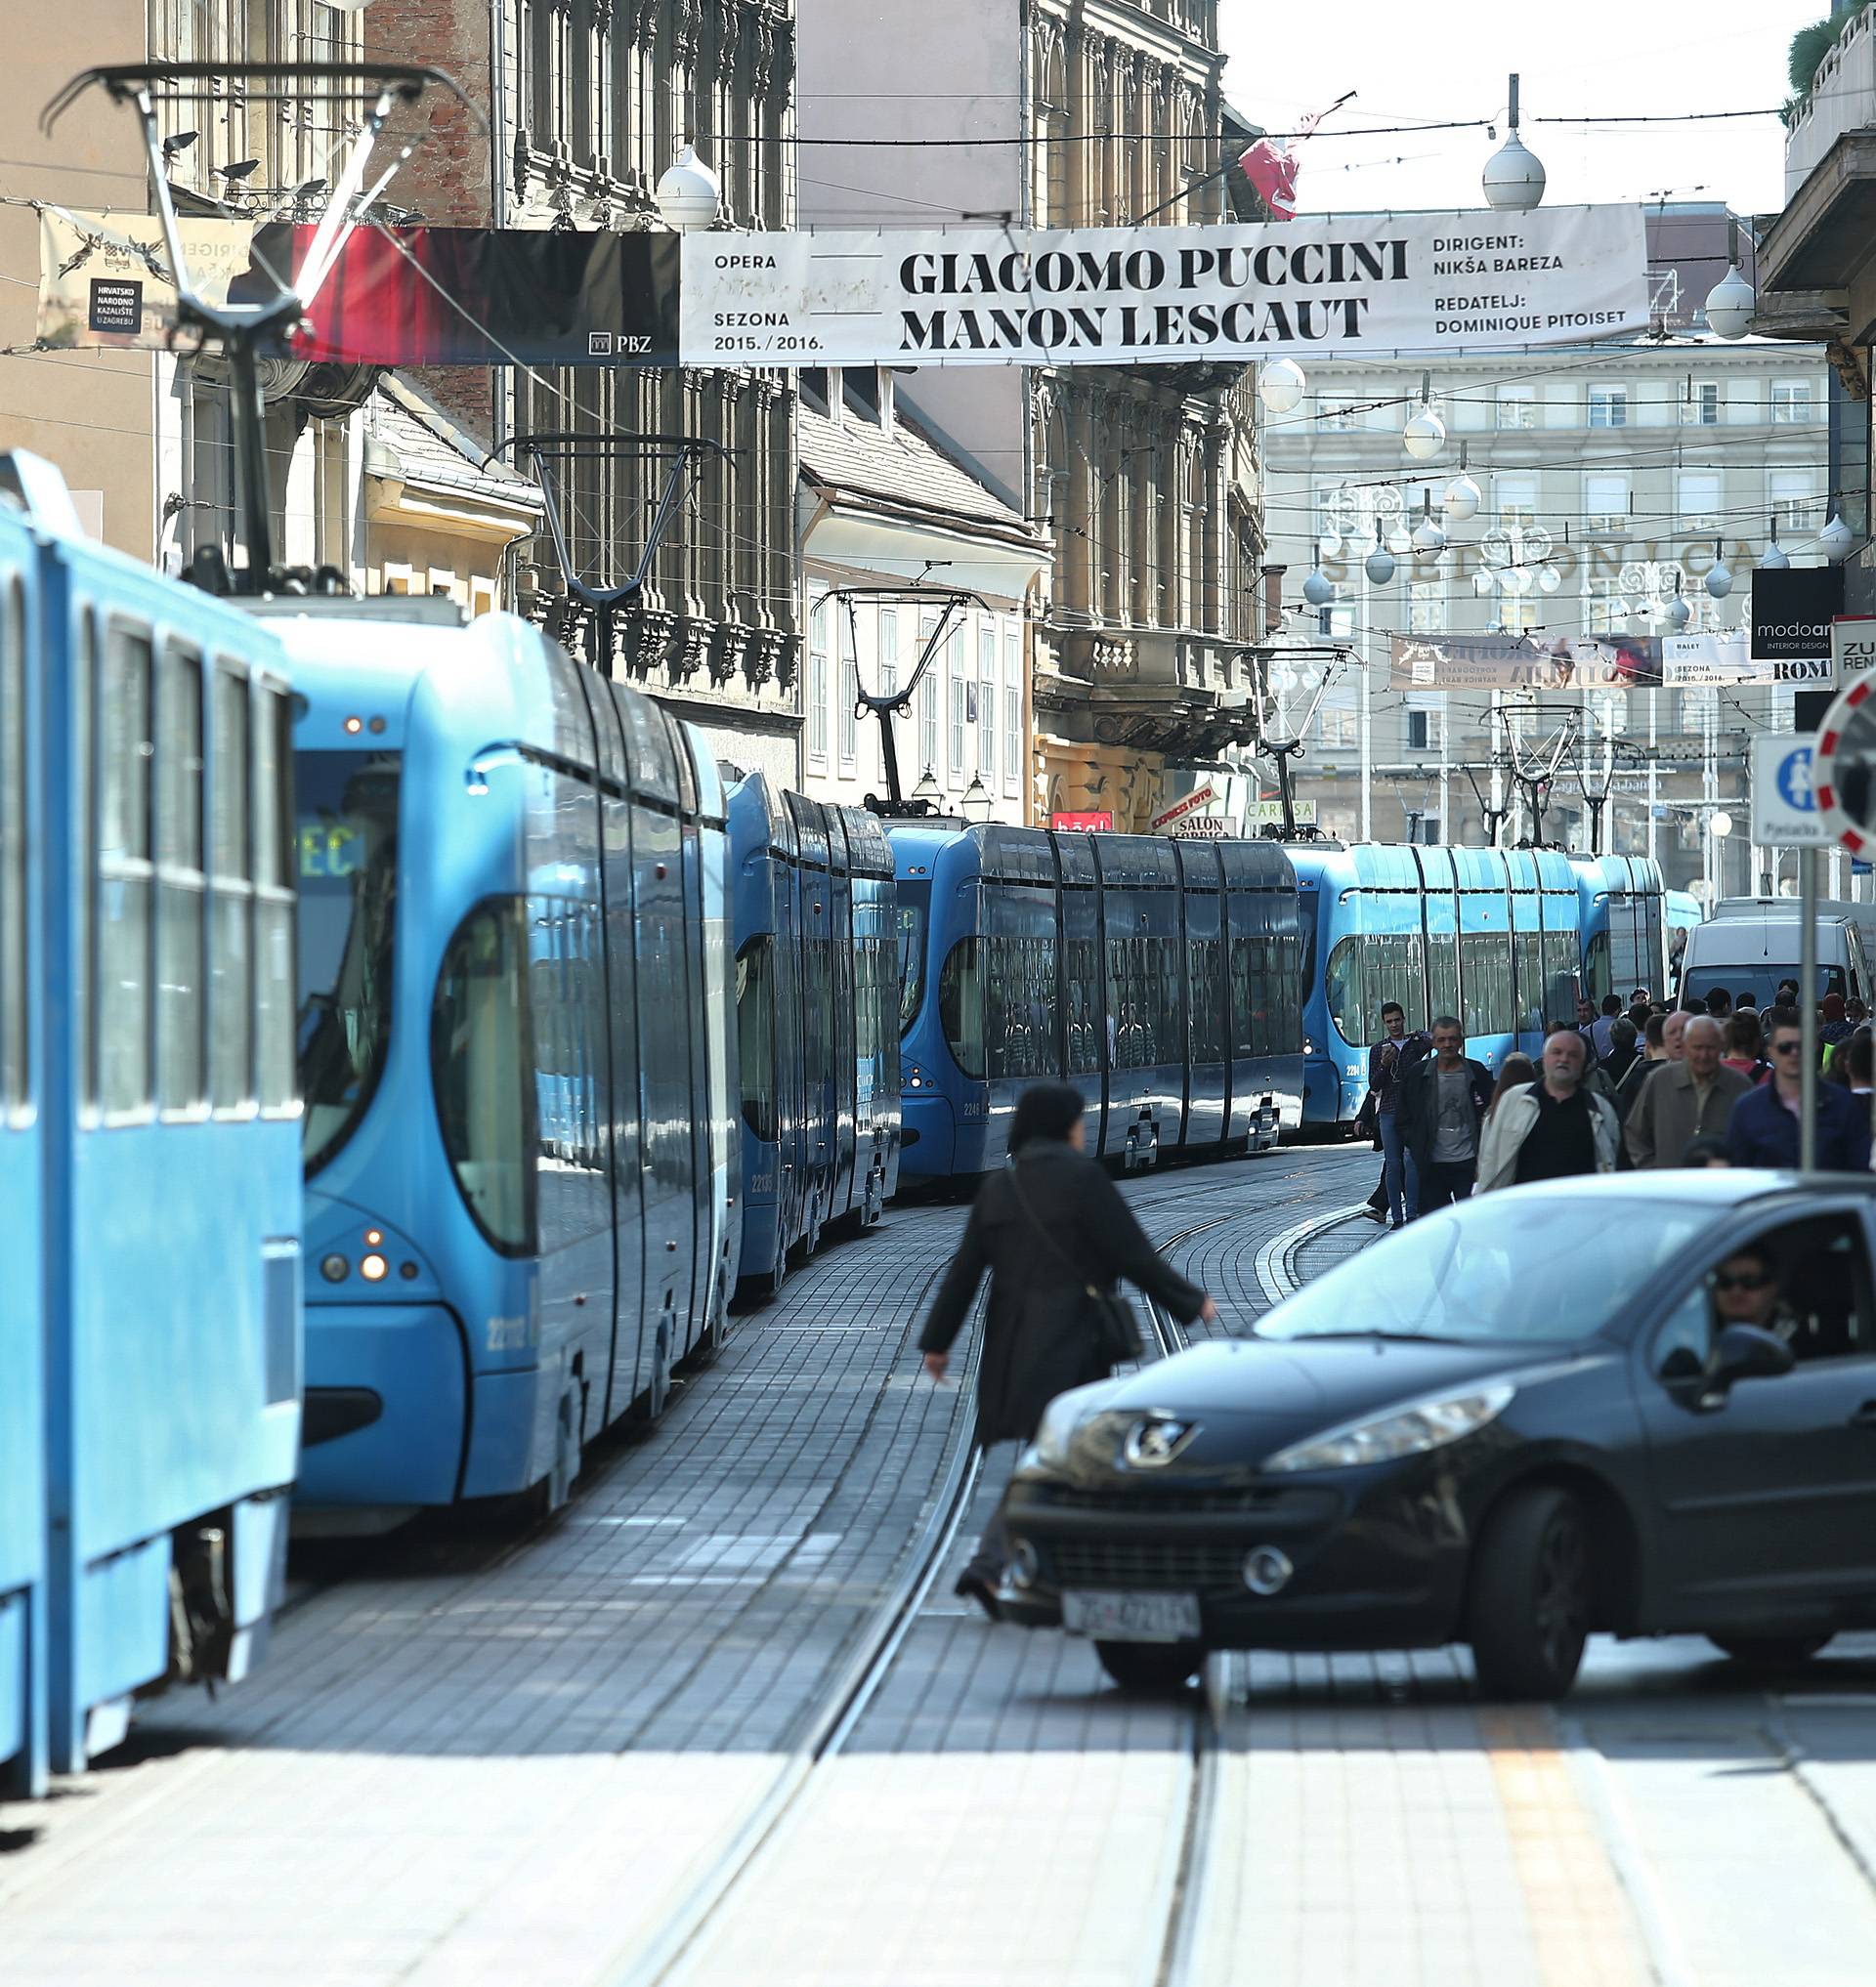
[(1747, 1290)]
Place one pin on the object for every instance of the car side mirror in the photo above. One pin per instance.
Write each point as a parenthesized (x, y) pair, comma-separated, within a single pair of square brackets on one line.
[(1748, 1352)]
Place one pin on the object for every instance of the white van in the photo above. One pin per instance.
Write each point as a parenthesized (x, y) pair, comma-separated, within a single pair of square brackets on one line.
[(1750, 947)]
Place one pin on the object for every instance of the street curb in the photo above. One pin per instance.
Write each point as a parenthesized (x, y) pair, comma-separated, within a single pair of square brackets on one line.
[(1276, 1263)]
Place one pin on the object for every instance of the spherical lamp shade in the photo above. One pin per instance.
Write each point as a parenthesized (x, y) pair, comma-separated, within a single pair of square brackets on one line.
[(1428, 536), (1483, 583), (1719, 824), (1462, 500), (1280, 386), (1679, 613), (1729, 305), (1835, 539), (1513, 177), (1425, 434), (1774, 558), (1719, 580), (689, 195), (1379, 565), (1548, 579), (1318, 589)]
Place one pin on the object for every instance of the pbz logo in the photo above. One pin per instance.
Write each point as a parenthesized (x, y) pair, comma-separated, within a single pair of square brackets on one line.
[(1794, 782)]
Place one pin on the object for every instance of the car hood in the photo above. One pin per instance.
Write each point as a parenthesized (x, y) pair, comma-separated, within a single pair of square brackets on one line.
[(1243, 1398)]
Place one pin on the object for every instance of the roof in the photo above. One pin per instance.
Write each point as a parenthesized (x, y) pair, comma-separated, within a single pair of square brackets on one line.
[(904, 471), (436, 452)]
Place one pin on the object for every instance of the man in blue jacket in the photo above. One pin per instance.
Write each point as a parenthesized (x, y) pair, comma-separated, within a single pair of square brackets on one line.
[(1389, 1061), (1762, 1131)]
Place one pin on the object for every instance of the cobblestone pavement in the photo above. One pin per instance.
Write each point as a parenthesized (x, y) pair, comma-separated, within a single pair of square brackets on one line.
[(479, 1758)]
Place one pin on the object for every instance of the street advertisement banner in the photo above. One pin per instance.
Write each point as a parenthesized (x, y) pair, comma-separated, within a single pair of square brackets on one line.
[(1853, 647), (1187, 803), (1091, 820), (1792, 609), (1350, 287), (1606, 663), (411, 296)]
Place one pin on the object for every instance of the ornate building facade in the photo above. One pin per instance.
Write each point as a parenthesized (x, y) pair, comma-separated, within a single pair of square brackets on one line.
[(593, 101), (1088, 112)]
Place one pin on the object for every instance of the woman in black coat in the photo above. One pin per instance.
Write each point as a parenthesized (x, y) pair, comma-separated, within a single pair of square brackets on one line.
[(1045, 1227)]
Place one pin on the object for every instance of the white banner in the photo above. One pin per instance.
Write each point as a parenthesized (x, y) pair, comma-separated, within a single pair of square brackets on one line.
[(1688, 661), (1354, 286)]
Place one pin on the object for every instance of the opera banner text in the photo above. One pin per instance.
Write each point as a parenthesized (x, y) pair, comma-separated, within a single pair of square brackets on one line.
[(1614, 662), (1349, 286)]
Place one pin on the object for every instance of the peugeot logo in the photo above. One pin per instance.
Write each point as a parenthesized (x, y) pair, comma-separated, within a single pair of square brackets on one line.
[(1152, 1443)]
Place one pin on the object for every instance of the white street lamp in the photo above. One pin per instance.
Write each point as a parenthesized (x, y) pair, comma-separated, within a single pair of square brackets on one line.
[(1462, 495), (1280, 386), (928, 790), (1379, 565), (1513, 177), (1428, 536), (689, 195), (1774, 559), (1679, 613), (1318, 589), (1835, 539), (1719, 579), (1719, 824), (1424, 434), (1731, 303), (975, 805)]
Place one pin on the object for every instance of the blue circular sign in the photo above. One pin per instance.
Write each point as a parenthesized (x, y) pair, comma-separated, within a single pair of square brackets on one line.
[(1794, 781)]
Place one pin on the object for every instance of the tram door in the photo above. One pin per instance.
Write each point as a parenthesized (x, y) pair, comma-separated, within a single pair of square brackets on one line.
[(790, 1157), (698, 1116), (1206, 1048), (841, 1018)]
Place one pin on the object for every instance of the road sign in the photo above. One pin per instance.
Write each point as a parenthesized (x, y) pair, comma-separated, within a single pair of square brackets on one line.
[(1784, 811), (1846, 756), (1187, 803)]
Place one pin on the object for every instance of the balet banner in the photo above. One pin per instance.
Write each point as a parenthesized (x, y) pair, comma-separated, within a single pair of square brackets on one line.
[(1612, 662), (1348, 286)]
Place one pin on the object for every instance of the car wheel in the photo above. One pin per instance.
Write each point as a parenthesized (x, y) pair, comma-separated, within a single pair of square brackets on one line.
[(1528, 1614), (1770, 1652), (1151, 1668)]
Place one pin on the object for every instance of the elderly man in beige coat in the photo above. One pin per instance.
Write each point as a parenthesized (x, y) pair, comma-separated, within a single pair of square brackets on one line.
[(1686, 1100)]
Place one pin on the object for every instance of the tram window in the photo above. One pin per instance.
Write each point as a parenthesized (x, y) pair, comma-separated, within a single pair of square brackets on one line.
[(14, 1082), (1559, 975), (231, 1071), (181, 1073), (1081, 964), (1240, 974), (1345, 987), (568, 1005), (1442, 973), (960, 1005), (915, 917), (1019, 1006), (1204, 1001), (481, 1049), (1595, 966), (1487, 961), (1527, 950), (273, 901), (122, 947), (755, 1034)]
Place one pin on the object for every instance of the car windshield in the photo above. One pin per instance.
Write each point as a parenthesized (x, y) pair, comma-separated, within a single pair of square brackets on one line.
[(1511, 1265), (915, 904), (347, 852), (1760, 980)]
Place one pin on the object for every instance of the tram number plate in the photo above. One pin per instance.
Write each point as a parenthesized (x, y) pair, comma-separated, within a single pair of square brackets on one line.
[(1131, 1617)]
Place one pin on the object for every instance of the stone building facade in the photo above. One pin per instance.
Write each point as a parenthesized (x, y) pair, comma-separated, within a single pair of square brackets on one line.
[(1146, 478)]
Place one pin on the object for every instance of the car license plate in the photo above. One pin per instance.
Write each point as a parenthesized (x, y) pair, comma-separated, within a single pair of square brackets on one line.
[(1131, 1617)]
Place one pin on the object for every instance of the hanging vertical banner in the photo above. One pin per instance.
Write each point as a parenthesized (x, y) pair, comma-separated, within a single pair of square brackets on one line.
[(1333, 285)]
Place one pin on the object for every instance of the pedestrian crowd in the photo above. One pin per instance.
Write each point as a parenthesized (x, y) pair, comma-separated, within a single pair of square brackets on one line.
[(1627, 1087)]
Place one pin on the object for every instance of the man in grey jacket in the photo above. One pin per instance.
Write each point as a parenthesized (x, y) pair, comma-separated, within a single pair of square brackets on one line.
[(1550, 1130), (1686, 1100)]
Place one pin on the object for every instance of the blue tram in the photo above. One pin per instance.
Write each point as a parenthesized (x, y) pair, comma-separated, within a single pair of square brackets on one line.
[(514, 1046), (1622, 907), (1162, 977), (816, 1015), (150, 1204), (1490, 935)]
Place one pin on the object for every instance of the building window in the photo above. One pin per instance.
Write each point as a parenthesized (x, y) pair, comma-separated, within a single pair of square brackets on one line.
[(817, 686), (1605, 503), (1517, 617), (1426, 608), (1426, 725), (1337, 724), (987, 701), (927, 700), (1013, 711), (960, 705), (1794, 500), (1700, 404), (1790, 402), (1339, 417), (1697, 499), (849, 695), (1517, 406), (1604, 611), (1516, 499), (1608, 406)]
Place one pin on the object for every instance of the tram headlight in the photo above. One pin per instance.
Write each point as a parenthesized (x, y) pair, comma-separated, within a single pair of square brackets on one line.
[(373, 1268), (1308, 1048), (334, 1268)]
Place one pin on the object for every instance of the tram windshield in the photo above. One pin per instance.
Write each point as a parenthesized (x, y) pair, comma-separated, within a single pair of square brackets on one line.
[(347, 848), (915, 914)]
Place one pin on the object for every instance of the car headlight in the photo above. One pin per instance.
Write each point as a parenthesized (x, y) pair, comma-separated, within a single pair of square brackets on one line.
[(1411, 1431), (1062, 1416)]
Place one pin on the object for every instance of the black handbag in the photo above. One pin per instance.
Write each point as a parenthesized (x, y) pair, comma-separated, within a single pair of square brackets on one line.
[(1117, 1332)]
